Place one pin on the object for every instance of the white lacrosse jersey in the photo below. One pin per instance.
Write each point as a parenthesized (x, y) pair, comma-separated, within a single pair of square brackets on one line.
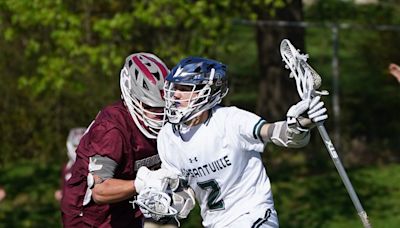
[(222, 163)]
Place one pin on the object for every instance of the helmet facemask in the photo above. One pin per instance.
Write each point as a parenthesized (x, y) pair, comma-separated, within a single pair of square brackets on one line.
[(198, 98), (141, 82), (181, 110), (146, 116)]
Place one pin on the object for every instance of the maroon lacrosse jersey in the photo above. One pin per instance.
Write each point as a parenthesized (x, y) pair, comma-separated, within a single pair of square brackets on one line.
[(113, 134)]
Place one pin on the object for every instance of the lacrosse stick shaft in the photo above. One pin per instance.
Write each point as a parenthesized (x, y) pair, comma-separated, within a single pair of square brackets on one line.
[(343, 175)]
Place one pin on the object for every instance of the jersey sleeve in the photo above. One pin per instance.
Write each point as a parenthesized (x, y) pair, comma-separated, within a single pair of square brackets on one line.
[(106, 141), (246, 126)]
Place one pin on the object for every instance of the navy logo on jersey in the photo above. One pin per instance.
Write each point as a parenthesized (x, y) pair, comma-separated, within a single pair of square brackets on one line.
[(191, 160)]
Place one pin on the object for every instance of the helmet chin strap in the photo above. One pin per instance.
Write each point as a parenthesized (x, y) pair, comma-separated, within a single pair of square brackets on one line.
[(196, 117), (212, 74), (200, 118), (142, 127), (139, 124)]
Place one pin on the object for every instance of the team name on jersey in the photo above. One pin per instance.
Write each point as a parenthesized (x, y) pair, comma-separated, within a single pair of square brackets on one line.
[(148, 162), (208, 168)]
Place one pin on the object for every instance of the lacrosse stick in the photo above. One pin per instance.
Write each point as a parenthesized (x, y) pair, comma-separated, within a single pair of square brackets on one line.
[(307, 83), (156, 203)]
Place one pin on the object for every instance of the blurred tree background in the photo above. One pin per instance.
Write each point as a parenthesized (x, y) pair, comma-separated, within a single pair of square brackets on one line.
[(60, 63)]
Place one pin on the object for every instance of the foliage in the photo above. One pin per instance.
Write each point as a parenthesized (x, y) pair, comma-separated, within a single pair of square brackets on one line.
[(318, 201), (322, 201), (365, 84), (30, 201), (61, 59), (60, 65)]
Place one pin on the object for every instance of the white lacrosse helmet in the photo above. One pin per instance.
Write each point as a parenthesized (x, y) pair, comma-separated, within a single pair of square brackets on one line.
[(74, 136), (141, 82), (208, 84)]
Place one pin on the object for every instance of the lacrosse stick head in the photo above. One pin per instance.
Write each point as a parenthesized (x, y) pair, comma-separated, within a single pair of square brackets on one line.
[(155, 204), (158, 203), (307, 79)]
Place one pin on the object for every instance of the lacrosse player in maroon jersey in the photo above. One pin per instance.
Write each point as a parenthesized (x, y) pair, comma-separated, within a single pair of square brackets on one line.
[(74, 136), (119, 145)]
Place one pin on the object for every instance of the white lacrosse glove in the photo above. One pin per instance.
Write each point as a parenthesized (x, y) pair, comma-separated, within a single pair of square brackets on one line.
[(316, 113), (183, 200), (157, 179), (293, 115), (317, 110)]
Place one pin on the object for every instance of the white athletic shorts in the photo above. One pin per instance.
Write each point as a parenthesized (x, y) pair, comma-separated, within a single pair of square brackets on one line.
[(259, 218)]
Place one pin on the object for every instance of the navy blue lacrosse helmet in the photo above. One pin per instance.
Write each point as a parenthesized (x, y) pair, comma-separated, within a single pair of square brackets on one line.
[(206, 84)]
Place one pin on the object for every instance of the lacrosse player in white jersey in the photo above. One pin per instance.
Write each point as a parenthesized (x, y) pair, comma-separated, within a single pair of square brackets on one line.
[(217, 149)]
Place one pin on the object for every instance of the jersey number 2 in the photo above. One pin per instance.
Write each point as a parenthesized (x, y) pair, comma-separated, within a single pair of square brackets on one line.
[(215, 192)]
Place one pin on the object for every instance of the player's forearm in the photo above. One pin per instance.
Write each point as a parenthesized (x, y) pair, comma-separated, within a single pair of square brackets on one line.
[(113, 190)]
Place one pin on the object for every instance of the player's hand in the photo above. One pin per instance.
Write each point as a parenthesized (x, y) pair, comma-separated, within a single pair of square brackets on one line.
[(57, 195), (183, 200), (154, 179), (317, 111), (293, 116), (394, 70)]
